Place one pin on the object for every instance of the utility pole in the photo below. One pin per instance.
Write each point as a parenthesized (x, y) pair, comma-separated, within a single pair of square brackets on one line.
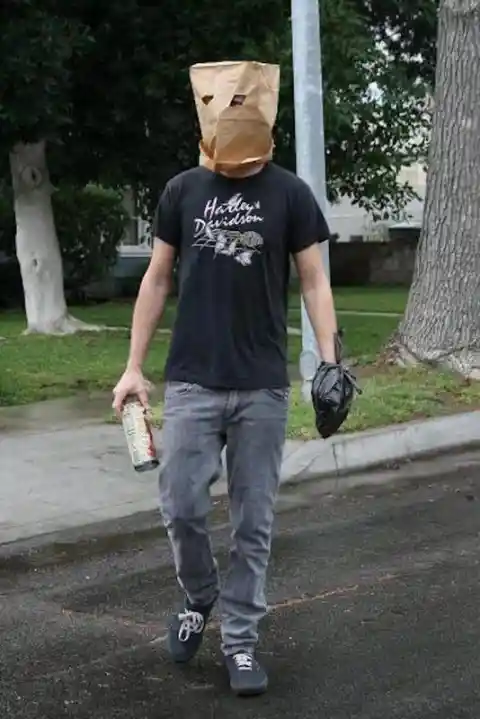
[(309, 143)]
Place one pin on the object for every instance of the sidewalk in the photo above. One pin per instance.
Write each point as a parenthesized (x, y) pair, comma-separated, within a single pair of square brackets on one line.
[(67, 478)]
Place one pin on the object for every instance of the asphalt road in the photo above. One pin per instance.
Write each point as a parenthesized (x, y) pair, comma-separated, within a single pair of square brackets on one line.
[(375, 614)]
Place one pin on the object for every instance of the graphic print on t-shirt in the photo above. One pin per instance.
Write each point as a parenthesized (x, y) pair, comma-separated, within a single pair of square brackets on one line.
[(227, 229)]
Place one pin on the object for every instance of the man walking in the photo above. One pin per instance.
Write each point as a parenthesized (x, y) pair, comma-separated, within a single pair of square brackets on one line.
[(232, 224)]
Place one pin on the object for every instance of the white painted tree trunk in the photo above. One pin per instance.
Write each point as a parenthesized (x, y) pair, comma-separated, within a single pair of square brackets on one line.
[(37, 246), (442, 319)]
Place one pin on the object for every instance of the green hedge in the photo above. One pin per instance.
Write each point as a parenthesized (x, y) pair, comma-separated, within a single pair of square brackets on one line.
[(90, 222), (90, 225)]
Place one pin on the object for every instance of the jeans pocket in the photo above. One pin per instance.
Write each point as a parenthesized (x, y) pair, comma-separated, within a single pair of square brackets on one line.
[(281, 394), (179, 388)]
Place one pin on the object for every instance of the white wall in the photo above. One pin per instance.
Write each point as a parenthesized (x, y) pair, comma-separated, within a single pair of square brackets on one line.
[(347, 219)]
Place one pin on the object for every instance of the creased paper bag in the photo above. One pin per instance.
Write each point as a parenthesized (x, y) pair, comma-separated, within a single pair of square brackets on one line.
[(237, 106)]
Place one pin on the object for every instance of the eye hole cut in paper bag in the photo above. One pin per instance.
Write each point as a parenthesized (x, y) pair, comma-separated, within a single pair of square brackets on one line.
[(237, 103)]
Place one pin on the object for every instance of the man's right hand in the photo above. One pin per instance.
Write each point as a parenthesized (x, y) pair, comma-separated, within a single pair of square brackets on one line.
[(132, 382)]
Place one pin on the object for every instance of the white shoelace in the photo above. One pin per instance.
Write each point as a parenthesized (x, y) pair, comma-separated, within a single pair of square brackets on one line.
[(191, 623), (244, 661)]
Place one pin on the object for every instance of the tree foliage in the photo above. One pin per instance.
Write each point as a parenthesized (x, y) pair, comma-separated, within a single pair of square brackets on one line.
[(39, 45), (107, 85), (408, 30)]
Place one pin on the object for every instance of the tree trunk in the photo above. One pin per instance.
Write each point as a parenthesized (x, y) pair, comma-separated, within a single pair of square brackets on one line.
[(442, 319), (37, 246)]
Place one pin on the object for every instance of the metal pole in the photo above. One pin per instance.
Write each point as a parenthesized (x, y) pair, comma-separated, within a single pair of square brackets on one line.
[(309, 143)]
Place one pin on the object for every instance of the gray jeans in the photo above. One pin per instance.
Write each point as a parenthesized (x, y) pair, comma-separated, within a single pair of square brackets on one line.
[(198, 423)]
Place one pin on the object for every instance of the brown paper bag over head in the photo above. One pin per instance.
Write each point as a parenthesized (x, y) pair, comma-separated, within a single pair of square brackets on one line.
[(237, 106)]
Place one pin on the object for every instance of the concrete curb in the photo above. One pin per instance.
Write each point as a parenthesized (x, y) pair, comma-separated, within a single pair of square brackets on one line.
[(350, 453), (126, 533), (85, 478), (344, 454)]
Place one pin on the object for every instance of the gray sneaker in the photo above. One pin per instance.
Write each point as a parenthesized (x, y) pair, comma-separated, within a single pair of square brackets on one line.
[(247, 677)]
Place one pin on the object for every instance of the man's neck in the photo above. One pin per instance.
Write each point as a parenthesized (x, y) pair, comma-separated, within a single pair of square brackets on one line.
[(241, 172)]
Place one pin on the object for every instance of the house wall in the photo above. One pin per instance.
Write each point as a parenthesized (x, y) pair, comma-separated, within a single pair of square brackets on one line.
[(347, 219)]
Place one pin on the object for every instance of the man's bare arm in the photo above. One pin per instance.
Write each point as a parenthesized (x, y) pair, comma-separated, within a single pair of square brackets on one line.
[(150, 303), (318, 298)]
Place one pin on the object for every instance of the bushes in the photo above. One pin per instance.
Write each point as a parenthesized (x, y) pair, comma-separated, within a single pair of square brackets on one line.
[(90, 223)]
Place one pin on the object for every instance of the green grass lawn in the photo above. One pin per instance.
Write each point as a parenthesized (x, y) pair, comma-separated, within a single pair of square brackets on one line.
[(364, 336), (353, 299), (391, 396), (370, 299), (119, 314), (362, 299), (34, 368), (111, 314)]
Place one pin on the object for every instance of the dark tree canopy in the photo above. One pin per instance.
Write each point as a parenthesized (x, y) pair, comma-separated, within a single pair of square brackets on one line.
[(409, 30), (107, 84)]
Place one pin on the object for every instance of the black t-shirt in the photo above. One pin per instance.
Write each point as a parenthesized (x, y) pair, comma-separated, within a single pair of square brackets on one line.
[(234, 238)]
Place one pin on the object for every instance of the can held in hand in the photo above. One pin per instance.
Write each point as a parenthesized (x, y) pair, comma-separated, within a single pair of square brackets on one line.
[(139, 435)]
